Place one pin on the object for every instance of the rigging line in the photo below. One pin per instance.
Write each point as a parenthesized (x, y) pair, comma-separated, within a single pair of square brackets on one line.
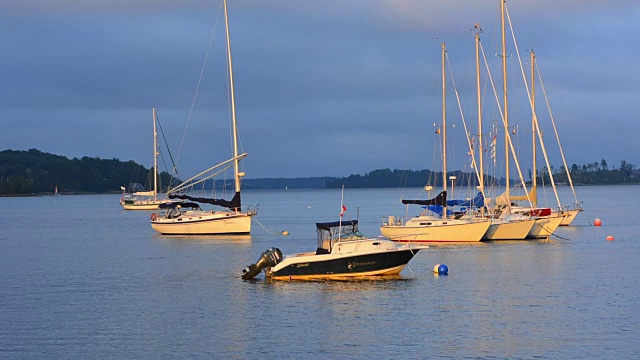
[(524, 77), (564, 161), (513, 152), (464, 122), (166, 143), (195, 96)]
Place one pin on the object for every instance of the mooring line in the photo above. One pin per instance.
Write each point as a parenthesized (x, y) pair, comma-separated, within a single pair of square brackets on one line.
[(266, 228)]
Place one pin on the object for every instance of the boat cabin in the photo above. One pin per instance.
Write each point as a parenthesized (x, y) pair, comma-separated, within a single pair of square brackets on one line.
[(173, 209), (330, 233)]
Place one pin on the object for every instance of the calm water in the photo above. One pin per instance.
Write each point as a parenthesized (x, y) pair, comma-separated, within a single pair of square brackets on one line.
[(82, 279)]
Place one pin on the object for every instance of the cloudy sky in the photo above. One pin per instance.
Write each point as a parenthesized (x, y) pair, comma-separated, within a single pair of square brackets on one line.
[(322, 87)]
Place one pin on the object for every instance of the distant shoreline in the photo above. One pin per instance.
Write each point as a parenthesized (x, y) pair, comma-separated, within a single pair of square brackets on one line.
[(278, 188)]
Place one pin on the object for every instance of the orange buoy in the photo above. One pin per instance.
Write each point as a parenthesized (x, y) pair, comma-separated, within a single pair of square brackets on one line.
[(609, 238), (597, 222)]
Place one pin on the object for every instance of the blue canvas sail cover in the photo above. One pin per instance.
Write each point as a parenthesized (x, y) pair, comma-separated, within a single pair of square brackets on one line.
[(476, 202), (437, 209)]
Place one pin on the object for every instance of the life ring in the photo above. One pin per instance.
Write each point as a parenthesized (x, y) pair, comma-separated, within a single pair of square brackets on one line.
[(153, 216)]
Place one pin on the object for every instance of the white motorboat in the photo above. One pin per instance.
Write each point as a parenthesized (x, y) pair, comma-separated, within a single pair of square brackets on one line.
[(342, 253)]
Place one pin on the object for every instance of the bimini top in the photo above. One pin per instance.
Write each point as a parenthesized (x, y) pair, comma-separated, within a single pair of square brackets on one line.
[(329, 225), (173, 205)]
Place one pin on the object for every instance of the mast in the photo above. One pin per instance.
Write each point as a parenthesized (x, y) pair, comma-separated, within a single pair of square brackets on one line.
[(506, 107), (155, 156), (534, 180), (481, 180), (236, 171), (444, 128)]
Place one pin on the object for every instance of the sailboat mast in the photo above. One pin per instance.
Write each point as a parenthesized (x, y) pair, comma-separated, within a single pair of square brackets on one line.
[(155, 156), (534, 180), (236, 171), (506, 108), (480, 149), (444, 128)]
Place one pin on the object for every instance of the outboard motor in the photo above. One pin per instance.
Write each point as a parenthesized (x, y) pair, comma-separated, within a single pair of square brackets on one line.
[(270, 257)]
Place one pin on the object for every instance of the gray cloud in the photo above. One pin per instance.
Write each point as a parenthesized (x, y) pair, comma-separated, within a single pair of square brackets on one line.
[(316, 82)]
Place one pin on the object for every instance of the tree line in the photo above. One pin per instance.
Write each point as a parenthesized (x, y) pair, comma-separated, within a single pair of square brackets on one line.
[(596, 173), (36, 172)]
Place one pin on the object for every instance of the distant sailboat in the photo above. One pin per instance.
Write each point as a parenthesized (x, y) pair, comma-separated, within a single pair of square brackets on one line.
[(146, 200), (55, 191)]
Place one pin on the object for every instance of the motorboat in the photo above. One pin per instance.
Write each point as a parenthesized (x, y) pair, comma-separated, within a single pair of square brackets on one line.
[(343, 253)]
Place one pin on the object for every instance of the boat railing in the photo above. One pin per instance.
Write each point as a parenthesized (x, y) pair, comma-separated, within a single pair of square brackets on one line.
[(392, 221), (252, 209)]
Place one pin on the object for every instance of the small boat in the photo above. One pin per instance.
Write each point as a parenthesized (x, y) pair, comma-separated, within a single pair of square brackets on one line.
[(146, 200), (343, 253)]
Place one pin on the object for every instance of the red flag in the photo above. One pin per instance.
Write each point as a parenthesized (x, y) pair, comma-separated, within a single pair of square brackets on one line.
[(344, 209)]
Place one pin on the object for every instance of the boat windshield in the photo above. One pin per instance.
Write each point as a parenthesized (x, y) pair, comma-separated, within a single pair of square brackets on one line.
[(332, 232)]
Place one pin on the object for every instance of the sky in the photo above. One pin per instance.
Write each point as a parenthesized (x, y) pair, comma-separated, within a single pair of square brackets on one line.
[(323, 88)]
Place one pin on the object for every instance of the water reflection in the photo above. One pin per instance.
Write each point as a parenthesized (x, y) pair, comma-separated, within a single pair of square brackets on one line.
[(204, 239)]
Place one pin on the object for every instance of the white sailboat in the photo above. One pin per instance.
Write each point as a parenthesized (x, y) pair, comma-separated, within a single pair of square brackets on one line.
[(546, 220), (146, 200), (504, 226), (190, 218), (569, 213), (433, 228)]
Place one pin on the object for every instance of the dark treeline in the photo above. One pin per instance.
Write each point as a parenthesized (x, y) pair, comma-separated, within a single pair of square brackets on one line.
[(36, 172), (596, 173), (387, 178)]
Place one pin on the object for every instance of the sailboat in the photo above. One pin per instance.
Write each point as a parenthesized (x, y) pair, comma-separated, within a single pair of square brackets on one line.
[(146, 200), (503, 226), (55, 191), (430, 226), (546, 222), (569, 214), (190, 218)]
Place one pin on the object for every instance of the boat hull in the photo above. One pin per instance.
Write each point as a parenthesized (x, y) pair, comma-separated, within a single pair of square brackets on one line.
[(509, 230), (204, 223), (342, 266), (570, 215), (147, 205), (544, 227), (447, 232)]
